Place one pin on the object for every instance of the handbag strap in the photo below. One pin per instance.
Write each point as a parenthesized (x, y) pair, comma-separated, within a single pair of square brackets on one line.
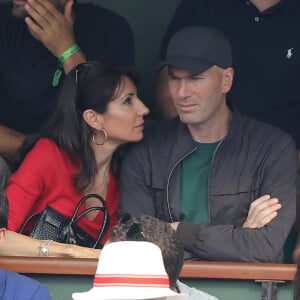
[(105, 224), (27, 221), (83, 199), (75, 218)]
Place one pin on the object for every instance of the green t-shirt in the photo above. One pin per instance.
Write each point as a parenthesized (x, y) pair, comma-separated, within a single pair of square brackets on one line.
[(194, 183)]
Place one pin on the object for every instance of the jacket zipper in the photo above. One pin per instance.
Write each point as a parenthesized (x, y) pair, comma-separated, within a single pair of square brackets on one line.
[(176, 164), (212, 160)]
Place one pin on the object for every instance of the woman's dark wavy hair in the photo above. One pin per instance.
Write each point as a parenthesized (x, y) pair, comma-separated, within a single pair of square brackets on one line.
[(89, 86)]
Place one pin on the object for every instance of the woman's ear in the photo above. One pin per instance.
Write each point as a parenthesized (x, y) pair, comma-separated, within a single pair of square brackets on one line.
[(93, 119)]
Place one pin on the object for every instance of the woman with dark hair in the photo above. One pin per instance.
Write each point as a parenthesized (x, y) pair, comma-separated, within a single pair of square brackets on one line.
[(76, 155)]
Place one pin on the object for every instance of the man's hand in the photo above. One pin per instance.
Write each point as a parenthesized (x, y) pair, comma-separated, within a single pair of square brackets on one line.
[(262, 211), (48, 25)]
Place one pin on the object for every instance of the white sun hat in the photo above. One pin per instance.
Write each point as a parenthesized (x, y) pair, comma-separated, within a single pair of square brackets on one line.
[(130, 270)]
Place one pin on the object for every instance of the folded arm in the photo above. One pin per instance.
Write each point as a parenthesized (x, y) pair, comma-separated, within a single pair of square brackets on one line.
[(254, 242)]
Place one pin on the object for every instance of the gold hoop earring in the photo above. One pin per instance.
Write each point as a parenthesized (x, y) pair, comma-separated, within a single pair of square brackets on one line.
[(104, 133)]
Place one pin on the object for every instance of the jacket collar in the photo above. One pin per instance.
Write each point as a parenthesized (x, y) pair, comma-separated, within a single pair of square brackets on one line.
[(183, 134), (234, 123), (177, 144)]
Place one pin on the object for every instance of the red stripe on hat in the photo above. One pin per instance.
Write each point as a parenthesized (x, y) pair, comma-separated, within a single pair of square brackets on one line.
[(132, 280)]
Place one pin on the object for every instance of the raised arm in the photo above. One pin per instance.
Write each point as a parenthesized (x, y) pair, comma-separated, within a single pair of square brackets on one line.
[(54, 29)]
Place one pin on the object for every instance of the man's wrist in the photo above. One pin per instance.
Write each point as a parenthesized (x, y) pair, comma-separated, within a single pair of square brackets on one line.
[(67, 61), (67, 54), (73, 61)]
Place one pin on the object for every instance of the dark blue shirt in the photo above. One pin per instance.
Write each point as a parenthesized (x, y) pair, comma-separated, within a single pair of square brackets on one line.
[(14, 286)]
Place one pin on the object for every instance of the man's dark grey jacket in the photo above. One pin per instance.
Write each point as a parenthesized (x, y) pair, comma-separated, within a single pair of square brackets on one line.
[(254, 159)]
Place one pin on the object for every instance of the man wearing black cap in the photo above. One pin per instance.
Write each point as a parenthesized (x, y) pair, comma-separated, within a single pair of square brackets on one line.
[(225, 182), (264, 39)]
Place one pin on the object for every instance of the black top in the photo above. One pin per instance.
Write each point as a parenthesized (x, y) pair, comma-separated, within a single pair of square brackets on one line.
[(26, 67), (266, 55)]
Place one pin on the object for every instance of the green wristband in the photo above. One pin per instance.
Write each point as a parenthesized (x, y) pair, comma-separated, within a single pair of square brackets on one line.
[(68, 53), (56, 77)]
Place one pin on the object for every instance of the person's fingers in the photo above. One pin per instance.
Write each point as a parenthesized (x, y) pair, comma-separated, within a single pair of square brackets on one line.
[(267, 205), (259, 200), (267, 219), (35, 17), (38, 13), (68, 12), (33, 27), (262, 205), (266, 215), (263, 213), (47, 9)]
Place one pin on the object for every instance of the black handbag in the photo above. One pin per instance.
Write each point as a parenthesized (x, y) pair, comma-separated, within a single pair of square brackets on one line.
[(52, 225)]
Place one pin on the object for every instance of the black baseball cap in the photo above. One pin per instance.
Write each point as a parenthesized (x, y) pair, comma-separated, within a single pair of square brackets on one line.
[(196, 49)]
